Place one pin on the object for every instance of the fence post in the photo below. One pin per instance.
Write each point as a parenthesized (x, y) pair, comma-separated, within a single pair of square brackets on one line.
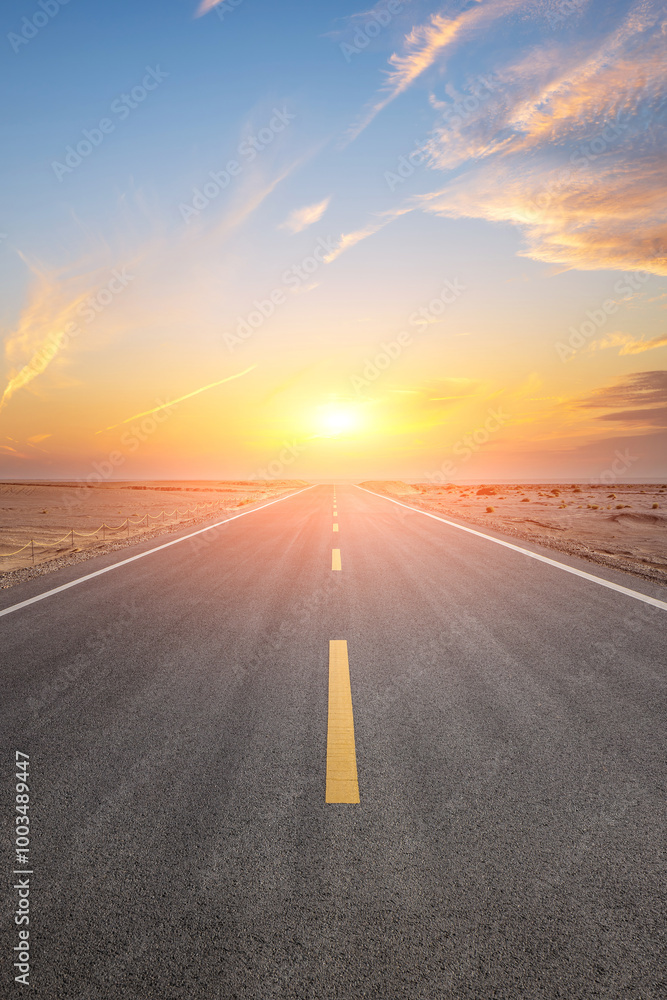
[(72, 537), (32, 548)]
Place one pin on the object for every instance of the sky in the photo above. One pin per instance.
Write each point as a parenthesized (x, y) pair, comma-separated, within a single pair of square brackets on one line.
[(315, 240)]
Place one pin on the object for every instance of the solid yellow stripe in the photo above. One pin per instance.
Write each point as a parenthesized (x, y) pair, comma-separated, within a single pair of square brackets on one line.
[(335, 559), (342, 783), (335, 527)]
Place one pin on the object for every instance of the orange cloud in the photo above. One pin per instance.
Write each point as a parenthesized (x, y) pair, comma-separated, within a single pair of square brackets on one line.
[(613, 219), (630, 344), (53, 317), (574, 147)]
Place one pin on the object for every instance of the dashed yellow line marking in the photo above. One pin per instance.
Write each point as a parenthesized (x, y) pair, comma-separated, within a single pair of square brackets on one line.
[(342, 781), (335, 527), (335, 559)]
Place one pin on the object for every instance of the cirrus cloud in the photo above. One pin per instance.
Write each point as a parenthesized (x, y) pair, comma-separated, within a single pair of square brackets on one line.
[(571, 148), (301, 218), (569, 139)]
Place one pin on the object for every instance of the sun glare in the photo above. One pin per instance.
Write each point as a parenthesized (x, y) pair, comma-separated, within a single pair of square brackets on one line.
[(337, 419)]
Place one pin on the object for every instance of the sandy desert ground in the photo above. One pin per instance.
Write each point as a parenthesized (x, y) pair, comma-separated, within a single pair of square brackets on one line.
[(107, 516), (624, 526)]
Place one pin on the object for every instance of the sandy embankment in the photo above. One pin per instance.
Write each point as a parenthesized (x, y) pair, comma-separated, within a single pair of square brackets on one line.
[(47, 513), (622, 526)]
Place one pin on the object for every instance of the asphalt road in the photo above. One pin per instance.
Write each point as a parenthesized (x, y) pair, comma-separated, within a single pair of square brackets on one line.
[(509, 726)]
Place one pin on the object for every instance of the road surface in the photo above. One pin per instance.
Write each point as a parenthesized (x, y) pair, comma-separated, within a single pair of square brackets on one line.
[(189, 748)]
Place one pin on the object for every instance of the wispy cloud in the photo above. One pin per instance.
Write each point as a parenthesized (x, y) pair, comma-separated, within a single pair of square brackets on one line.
[(52, 317), (348, 240), (570, 147), (205, 6), (253, 201), (568, 143), (422, 47), (425, 45), (301, 218), (641, 389), (173, 402), (630, 344), (7, 449)]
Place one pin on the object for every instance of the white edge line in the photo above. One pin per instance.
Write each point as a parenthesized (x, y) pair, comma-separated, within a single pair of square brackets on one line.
[(533, 555), (149, 552)]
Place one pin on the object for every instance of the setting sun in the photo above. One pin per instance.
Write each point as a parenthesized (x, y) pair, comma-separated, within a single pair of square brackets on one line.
[(338, 419)]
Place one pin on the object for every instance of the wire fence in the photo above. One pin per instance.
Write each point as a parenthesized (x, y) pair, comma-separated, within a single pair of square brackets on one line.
[(104, 528)]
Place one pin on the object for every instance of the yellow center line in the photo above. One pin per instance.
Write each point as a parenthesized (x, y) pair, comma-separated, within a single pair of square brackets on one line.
[(342, 782), (335, 559), (335, 527)]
